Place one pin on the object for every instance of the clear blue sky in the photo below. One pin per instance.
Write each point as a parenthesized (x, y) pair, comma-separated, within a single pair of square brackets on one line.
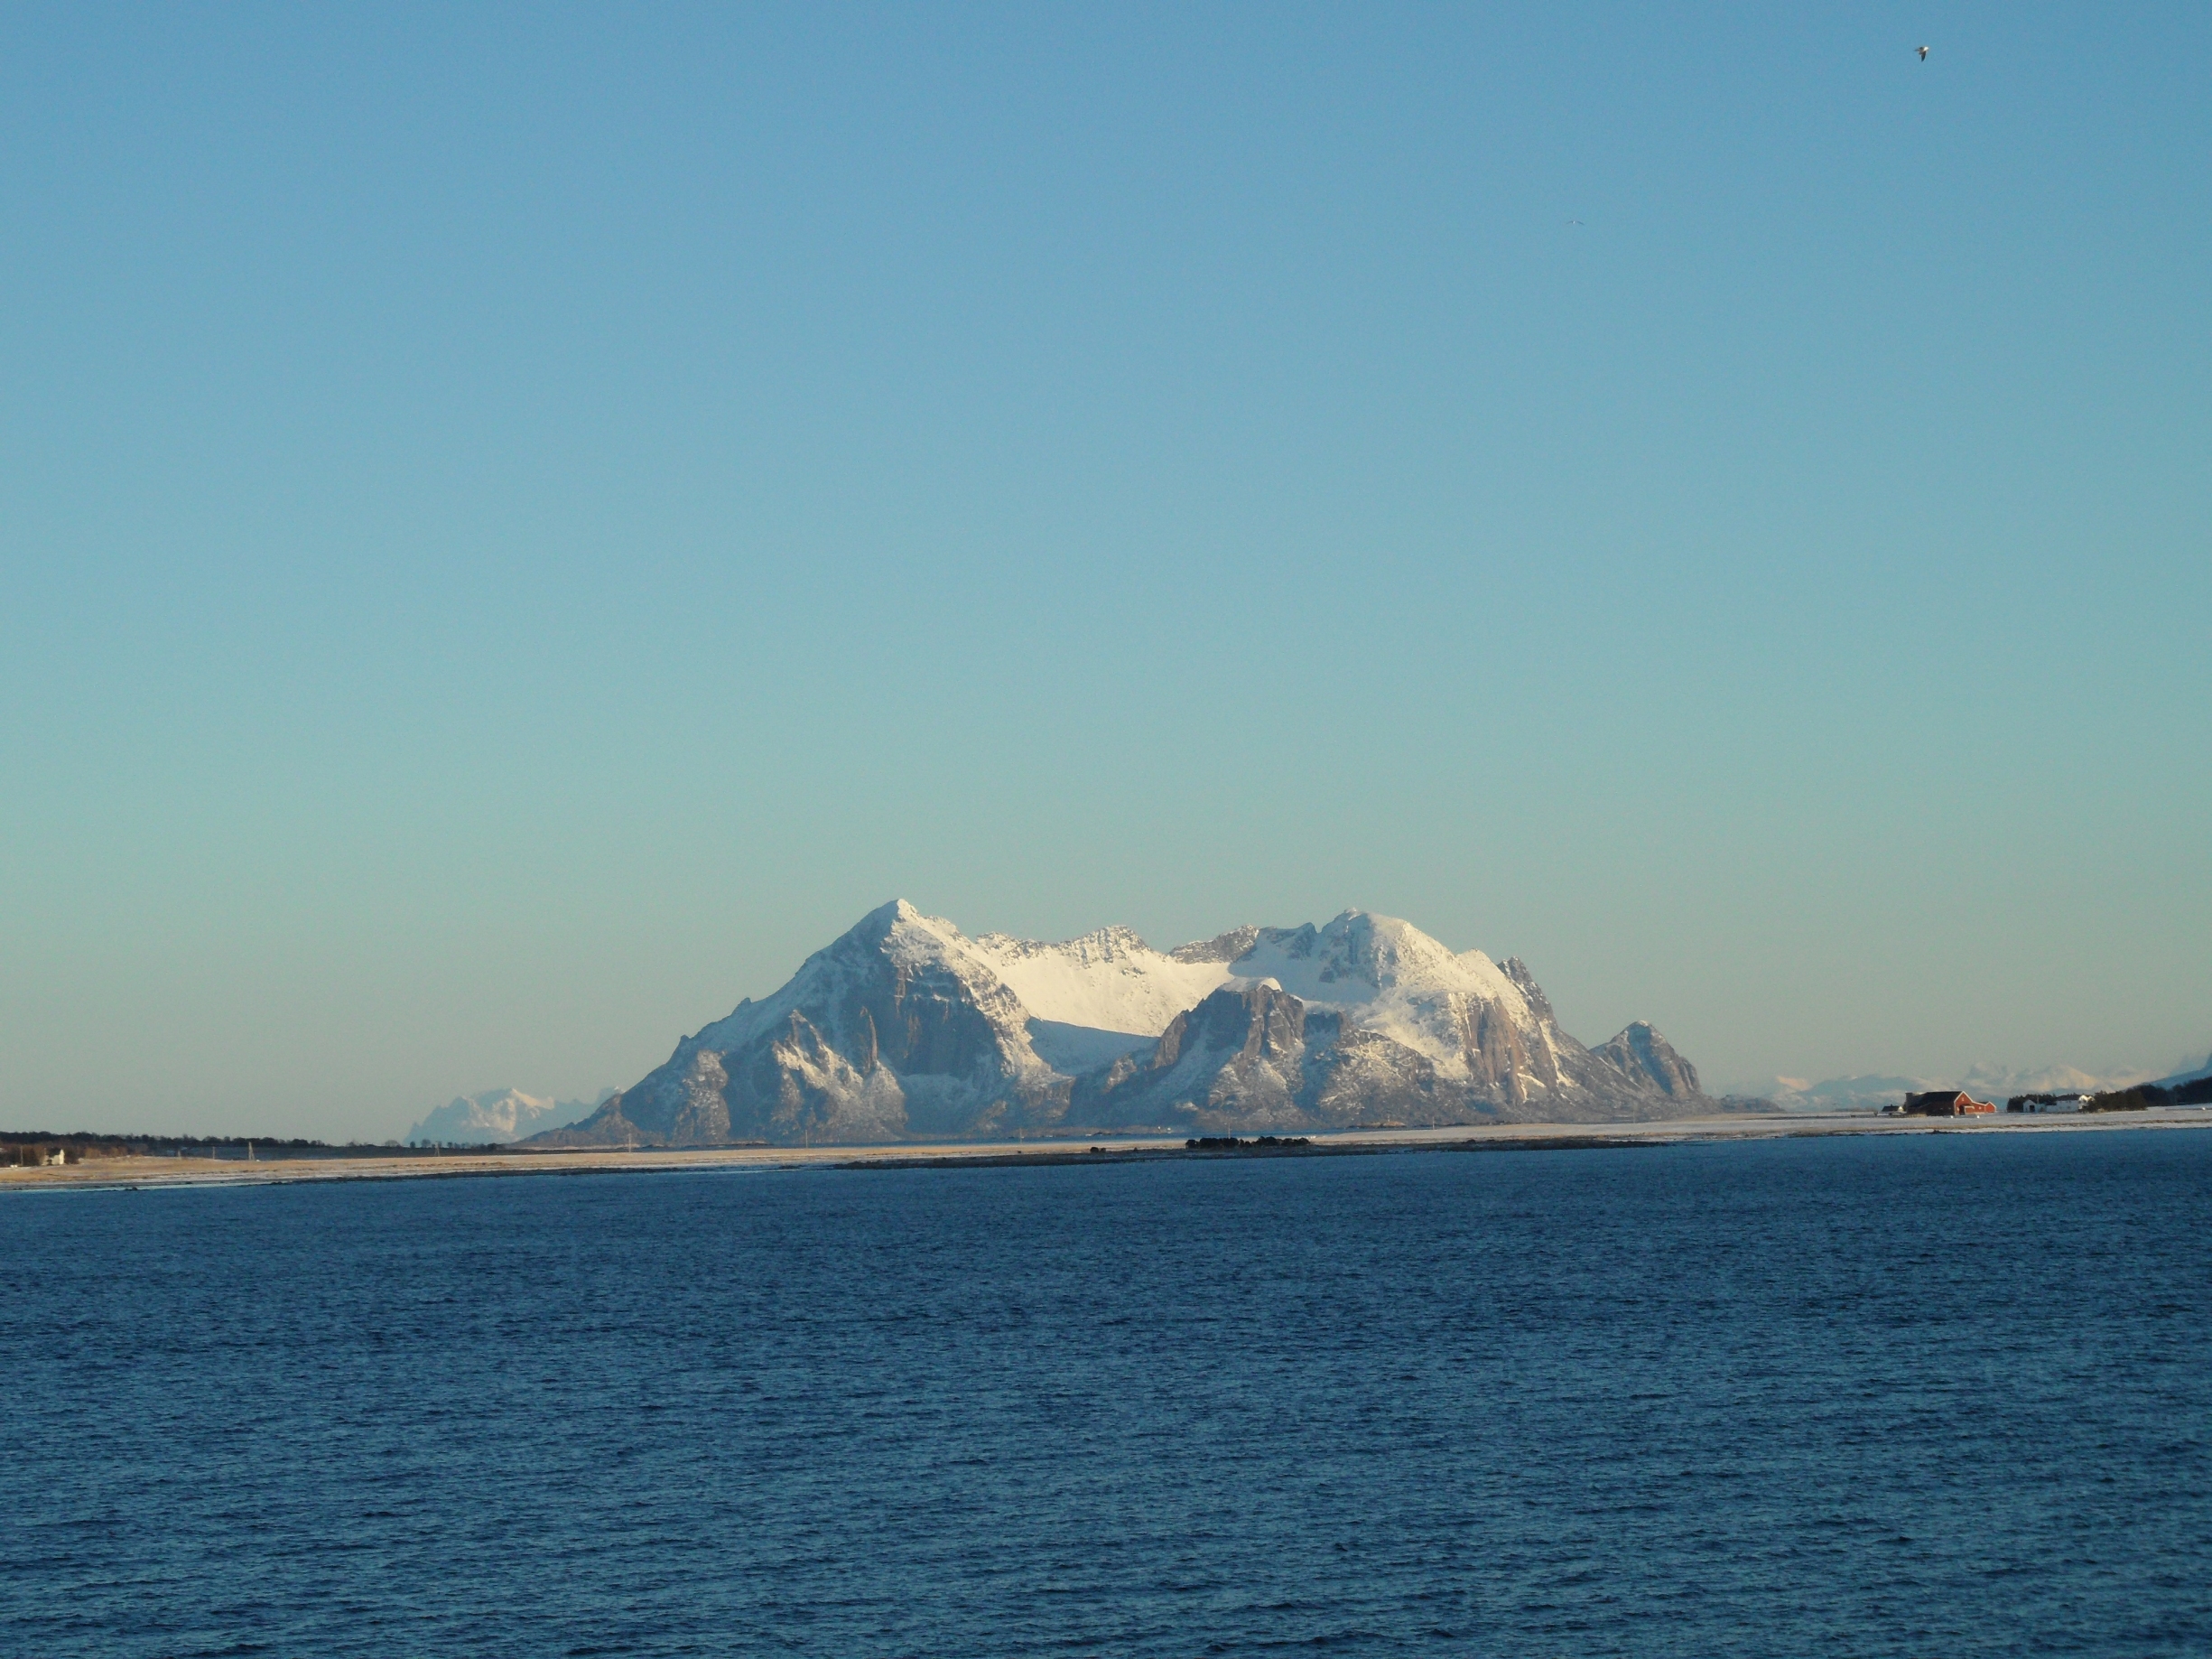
[(517, 525)]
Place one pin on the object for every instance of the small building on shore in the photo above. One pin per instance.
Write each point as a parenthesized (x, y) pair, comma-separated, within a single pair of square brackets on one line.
[(1943, 1102)]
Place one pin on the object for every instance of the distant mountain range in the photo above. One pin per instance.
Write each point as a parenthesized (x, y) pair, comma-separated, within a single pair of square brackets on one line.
[(498, 1117), (1869, 1091), (907, 1029)]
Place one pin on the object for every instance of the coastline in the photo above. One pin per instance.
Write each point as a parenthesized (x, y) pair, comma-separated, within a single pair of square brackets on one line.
[(138, 1173)]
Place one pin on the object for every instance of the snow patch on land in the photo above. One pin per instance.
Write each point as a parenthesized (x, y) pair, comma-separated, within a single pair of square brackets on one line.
[(1073, 1049)]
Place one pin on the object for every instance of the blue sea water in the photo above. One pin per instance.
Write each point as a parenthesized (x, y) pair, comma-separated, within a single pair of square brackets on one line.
[(1929, 1394)]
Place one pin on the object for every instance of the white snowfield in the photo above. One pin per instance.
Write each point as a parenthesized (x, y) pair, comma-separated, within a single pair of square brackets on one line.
[(1109, 981)]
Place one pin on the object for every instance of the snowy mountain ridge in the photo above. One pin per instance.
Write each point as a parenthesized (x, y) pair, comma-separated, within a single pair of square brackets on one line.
[(905, 1028)]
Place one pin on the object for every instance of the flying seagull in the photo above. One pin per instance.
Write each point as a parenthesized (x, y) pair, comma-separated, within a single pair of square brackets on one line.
[(1923, 54)]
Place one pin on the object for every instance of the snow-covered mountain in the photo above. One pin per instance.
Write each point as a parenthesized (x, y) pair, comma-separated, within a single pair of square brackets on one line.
[(906, 1027), (498, 1117)]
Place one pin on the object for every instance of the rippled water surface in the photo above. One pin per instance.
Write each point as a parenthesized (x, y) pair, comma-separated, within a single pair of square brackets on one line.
[(1934, 1394)]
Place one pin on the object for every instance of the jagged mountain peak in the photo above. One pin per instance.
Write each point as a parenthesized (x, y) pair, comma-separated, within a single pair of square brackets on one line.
[(1524, 982), (1110, 943), (1221, 947), (901, 924), (895, 933)]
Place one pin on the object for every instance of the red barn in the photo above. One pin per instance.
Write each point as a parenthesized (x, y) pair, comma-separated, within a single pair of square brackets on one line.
[(1945, 1103)]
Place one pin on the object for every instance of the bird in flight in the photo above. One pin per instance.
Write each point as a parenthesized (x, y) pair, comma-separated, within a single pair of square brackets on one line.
[(1923, 54)]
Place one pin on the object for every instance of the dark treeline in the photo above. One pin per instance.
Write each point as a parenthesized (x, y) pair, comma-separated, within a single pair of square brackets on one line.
[(2196, 1092)]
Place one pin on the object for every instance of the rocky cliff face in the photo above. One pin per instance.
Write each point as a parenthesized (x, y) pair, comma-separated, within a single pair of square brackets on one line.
[(1254, 1057), (1647, 1059), (1239, 1058), (905, 1029)]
